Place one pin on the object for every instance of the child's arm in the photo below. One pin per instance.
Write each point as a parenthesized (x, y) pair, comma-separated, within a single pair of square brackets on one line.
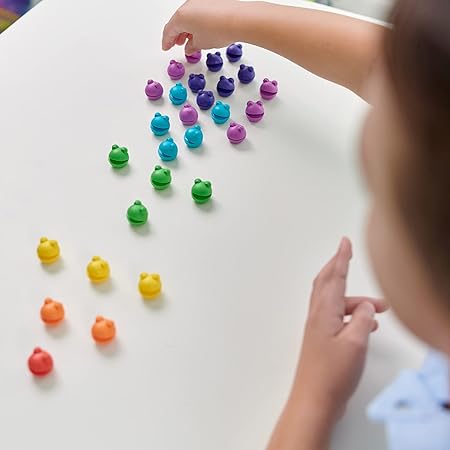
[(338, 48), (332, 359)]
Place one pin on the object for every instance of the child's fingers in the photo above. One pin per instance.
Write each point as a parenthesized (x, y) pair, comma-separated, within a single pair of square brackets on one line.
[(329, 285), (190, 46), (374, 328), (340, 270), (337, 283), (181, 39), (351, 303), (327, 269), (330, 268), (361, 325), (170, 35)]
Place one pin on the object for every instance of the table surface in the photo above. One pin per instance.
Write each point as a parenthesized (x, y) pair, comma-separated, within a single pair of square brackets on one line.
[(208, 366)]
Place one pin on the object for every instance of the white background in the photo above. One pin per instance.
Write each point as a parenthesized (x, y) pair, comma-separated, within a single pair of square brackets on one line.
[(373, 8), (208, 366)]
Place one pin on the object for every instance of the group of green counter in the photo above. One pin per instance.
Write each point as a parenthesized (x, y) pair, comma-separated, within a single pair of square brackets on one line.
[(161, 178)]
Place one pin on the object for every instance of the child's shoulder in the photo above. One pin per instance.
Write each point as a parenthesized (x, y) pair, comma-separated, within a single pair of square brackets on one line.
[(412, 407)]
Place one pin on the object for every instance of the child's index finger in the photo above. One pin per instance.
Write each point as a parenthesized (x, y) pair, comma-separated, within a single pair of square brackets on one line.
[(328, 270), (334, 299), (170, 35), (343, 257)]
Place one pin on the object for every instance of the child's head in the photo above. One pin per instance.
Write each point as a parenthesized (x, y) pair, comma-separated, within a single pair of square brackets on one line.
[(406, 156)]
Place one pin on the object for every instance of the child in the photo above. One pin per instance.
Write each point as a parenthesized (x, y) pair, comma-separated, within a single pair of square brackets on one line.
[(405, 153)]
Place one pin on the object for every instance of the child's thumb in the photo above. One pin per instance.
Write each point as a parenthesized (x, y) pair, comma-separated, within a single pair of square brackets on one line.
[(361, 324)]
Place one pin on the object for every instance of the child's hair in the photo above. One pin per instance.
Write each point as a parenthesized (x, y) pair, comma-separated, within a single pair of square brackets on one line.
[(417, 52)]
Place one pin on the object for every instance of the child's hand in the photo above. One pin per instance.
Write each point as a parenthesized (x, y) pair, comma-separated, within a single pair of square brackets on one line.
[(332, 358), (204, 24), (334, 351)]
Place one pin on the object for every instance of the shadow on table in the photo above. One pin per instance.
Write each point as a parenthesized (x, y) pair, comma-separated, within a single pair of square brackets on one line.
[(157, 304), (157, 103), (55, 267), (174, 164), (58, 330), (110, 349), (122, 172), (47, 382), (165, 193), (244, 146), (142, 230), (103, 288), (199, 151), (207, 207)]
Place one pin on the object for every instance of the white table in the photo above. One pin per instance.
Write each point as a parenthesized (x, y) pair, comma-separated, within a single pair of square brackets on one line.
[(209, 365)]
